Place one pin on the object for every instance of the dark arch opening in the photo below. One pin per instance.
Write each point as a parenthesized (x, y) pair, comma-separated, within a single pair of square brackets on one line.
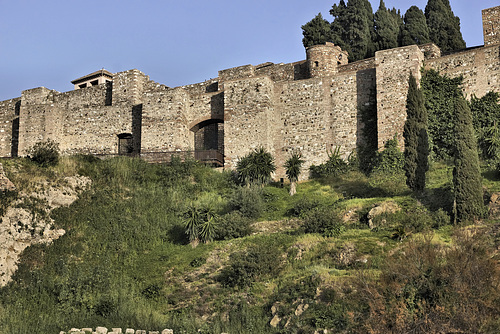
[(209, 141), (125, 144)]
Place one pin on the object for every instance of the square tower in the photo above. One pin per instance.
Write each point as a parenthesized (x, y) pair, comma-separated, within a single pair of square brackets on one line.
[(491, 26)]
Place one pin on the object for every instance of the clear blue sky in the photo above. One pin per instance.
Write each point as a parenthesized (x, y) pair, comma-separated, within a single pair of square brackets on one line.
[(176, 42)]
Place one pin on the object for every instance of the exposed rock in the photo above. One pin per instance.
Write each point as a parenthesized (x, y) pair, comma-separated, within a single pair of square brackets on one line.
[(301, 309), (384, 207), (275, 321), (5, 183), (22, 226), (346, 255), (494, 205)]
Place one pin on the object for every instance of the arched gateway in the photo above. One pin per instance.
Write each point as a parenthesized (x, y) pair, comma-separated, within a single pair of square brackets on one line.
[(209, 141)]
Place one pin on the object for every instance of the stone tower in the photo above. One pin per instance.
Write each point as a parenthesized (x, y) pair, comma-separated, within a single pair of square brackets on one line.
[(491, 26), (323, 59)]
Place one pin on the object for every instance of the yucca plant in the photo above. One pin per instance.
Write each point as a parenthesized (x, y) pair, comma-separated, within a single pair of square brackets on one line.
[(293, 168)]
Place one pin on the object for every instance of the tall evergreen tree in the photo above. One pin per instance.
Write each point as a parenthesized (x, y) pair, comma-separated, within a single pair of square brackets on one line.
[(414, 30), (338, 25), (415, 135), (444, 26), (317, 31), (353, 22), (468, 193), (386, 28)]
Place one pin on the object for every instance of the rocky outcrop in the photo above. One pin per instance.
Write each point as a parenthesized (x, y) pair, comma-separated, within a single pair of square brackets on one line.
[(27, 220), (384, 207), (5, 183)]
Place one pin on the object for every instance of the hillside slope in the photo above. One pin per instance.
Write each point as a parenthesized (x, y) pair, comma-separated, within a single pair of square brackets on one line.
[(348, 254)]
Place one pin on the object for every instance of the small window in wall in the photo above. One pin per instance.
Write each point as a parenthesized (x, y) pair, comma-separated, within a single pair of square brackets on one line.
[(316, 63), (82, 85), (94, 83), (125, 144)]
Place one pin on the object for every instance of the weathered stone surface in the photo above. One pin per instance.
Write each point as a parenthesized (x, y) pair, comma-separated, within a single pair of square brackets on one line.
[(311, 105), (20, 228), (101, 330), (385, 207), (5, 183)]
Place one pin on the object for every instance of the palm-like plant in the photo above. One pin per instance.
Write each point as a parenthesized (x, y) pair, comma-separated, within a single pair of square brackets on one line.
[(256, 167), (293, 166)]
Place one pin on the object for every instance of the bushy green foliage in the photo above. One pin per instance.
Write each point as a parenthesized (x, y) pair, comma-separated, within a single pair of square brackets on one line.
[(251, 265), (485, 116), (324, 221), (415, 29), (467, 188), (247, 201), (390, 160), (256, 167), (316, 32), (233, 225), (416, 153), (426, 287), (334, 166), (45, 153), (444, 26), (386, 28), (440, 92)]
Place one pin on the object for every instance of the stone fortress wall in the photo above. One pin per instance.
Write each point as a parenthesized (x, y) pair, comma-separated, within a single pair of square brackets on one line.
[(311, 105)]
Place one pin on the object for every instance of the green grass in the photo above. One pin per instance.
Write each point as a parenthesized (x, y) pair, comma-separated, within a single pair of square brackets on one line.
[(125, 259)]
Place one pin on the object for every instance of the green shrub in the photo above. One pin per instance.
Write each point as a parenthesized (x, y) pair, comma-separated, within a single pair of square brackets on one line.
[(45, 153), (251, 265), (303, 206), (324, 221), (390, 160), (248, 201), (333, 167), (233, 225), (256, 167)]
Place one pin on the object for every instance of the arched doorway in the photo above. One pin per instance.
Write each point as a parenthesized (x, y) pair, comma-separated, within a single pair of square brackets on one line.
[(209, 141)]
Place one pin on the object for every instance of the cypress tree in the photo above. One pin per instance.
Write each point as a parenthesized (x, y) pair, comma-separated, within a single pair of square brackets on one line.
[(414, 30), (468, 194), (338, 25), (353, 22), (386, 28), (444, 26), (317, 31), (415, 135)]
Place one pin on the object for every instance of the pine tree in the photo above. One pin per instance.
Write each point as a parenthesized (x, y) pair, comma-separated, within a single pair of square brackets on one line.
[(444, 26), (317, 31), (414, 30), (386, 28), (415, 135), (468, 194)]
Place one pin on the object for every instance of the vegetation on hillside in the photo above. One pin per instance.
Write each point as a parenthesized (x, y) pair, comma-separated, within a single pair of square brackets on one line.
[(355, 250), (303, 263)]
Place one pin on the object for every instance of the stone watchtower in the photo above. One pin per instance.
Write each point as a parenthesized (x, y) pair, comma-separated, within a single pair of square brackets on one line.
[(491, 26), (323, 59)]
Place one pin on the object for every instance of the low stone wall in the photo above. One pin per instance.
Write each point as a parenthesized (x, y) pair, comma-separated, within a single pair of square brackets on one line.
[(104, 330)]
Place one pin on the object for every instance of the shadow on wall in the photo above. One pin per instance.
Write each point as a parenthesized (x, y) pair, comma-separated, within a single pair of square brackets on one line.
[(14, 148)]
